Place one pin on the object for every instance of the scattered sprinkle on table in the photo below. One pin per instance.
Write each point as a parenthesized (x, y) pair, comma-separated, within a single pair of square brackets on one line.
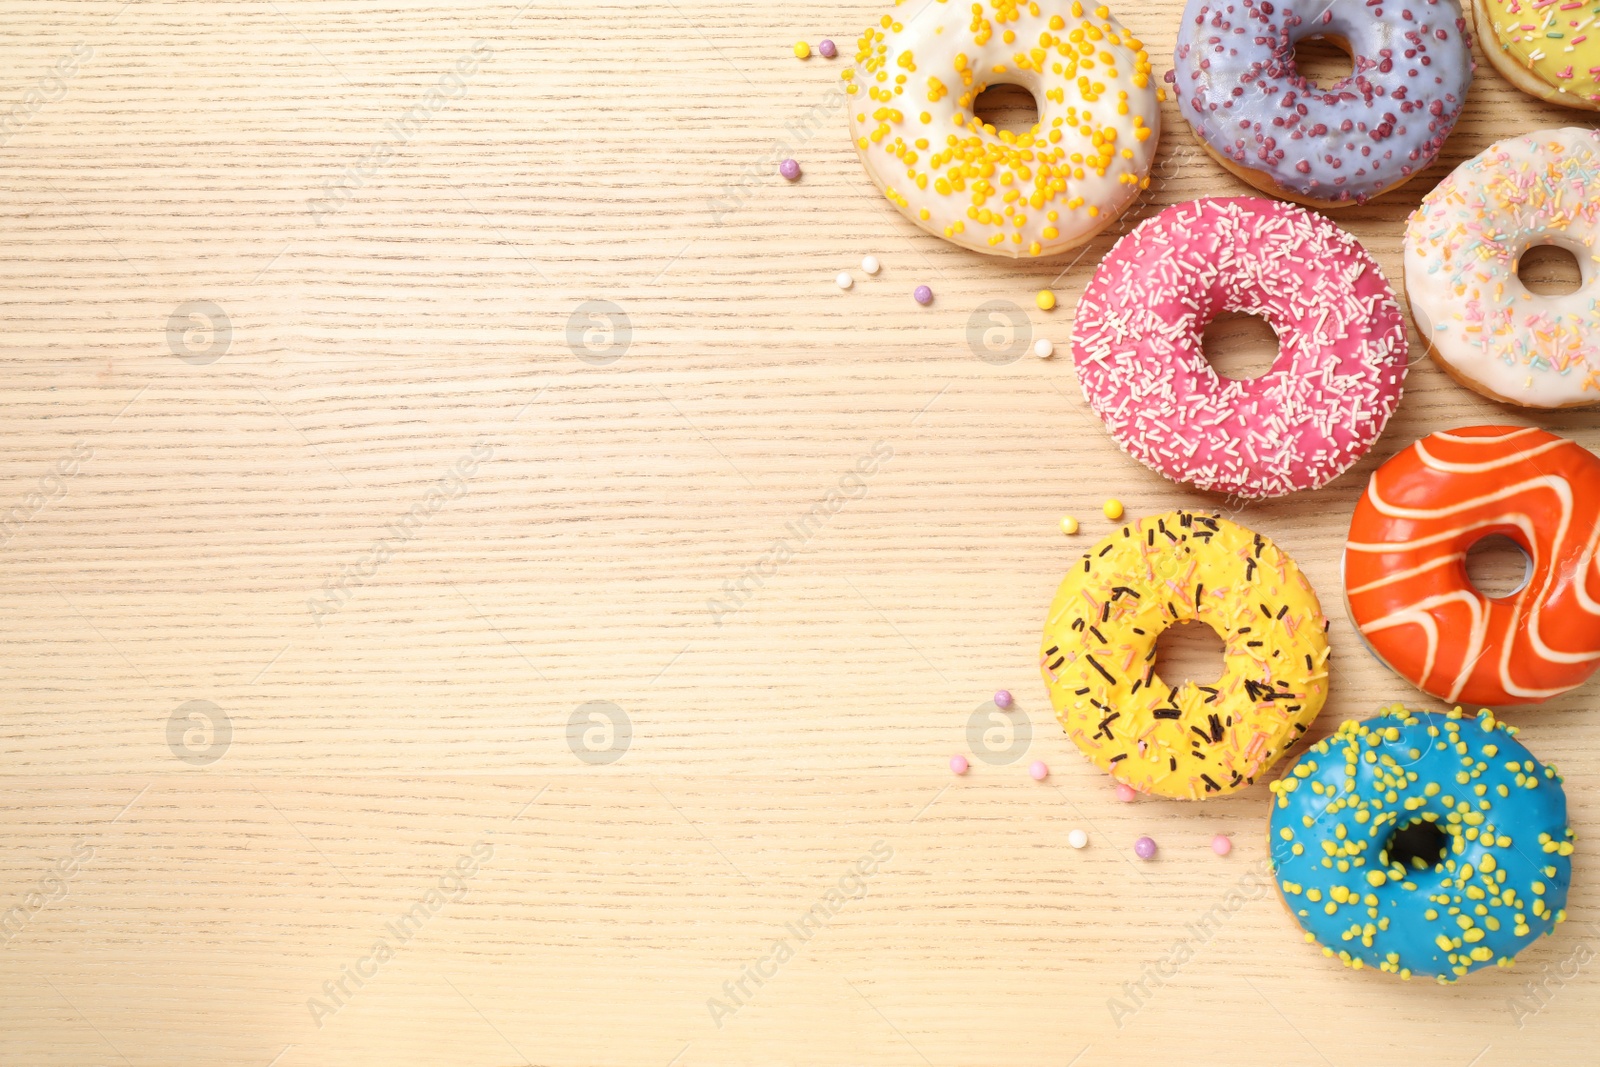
[(802, 50), (1039, 770), (1077, 839), (1221, 845), (790, 169), (1046, 300), (1126, 793), (1144, 848), (1113, 510), (1069, 525), (1043, 348), (922, 295), (828, 49), (958, 765), (1002, 699), (870, 264), (844, 281)]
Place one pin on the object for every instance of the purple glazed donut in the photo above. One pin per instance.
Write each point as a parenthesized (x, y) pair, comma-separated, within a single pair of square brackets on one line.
[(1237, 84)]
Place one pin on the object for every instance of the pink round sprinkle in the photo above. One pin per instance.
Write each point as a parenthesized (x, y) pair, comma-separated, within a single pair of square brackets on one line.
[(1126, 793), (922, 295), (1144, 848), (1002, 699), (828, 49), (1221, 845), (1039, 771), (790, 170), (958, 765)]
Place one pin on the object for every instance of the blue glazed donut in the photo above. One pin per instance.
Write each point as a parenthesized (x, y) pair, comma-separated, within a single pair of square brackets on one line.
[(1237, 84), (1357, 806)]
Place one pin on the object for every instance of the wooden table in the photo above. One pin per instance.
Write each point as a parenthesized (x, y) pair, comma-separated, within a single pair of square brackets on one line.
[(336, 501)]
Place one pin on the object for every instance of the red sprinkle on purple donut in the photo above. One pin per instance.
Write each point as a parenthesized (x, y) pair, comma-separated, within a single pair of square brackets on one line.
[(1237, 84)]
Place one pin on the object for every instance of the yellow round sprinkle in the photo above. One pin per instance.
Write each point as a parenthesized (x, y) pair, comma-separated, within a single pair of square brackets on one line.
[(1069, 525), (1046, 300), (802, 50), (1113, 510)]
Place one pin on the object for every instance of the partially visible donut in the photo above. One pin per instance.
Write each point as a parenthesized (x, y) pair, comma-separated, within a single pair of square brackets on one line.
[(1330, 392), (1237, 84), (1463, 243), (1405, 573), (1099, 648), (918, 73), (1548, 50), (1466, 788)]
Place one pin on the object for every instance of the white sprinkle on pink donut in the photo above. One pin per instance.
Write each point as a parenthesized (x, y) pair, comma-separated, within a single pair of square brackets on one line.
[(1341, 359)]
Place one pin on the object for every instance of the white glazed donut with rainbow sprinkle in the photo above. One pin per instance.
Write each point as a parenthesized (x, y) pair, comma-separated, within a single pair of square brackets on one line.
[(1482, 324), (911, 94)]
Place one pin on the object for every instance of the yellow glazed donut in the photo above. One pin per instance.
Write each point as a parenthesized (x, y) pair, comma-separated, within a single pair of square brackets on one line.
[(910, 99), (1100, 645), (1546, 48)]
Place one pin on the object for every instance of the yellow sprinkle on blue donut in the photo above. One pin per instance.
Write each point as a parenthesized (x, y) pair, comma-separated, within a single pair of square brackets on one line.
[(1417, 843)]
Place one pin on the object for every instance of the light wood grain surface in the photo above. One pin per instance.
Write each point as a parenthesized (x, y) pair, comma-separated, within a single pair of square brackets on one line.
[(297, 606)]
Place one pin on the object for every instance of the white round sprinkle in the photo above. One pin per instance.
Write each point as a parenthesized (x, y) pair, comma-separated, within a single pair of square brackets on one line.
[(870, 264), (1077, 839), (1043, 348), (844, 281)]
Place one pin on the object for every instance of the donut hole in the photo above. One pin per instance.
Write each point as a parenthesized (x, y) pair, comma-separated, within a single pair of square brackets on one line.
[(1239, 346), (1007, 107), (1498, 567), (1549, 270), (1189, 652), (1324, 61), (1417, 846)]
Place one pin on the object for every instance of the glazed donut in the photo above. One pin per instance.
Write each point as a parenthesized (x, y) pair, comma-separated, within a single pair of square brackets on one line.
[(1340, 365), (1100, 645), (1544, 49), (1237, 84), (1482, 324), (1496, 865), (1033, 194), (1405, 573)]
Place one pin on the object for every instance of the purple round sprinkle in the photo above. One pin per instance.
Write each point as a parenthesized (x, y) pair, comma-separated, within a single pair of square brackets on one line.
[(1002, 699), (828, 49), (789, 169), (1144, 848), (922, 295)]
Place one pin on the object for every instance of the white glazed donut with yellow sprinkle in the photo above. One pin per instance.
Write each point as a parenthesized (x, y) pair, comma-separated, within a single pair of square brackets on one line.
[(910, 98)]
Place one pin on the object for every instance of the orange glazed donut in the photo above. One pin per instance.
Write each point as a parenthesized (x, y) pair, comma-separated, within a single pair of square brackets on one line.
[(1405, 572)]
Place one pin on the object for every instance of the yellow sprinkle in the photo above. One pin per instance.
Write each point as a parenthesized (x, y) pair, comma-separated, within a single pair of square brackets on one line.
[(1113, 510), (1069, 525), (802, 50), (1047, 300)]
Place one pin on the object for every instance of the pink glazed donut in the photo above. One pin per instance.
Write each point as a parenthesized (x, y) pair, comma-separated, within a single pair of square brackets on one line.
[(1341, 356)]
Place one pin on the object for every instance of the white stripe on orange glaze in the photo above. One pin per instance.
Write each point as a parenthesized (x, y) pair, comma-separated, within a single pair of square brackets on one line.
[(1417, 615), (1478, 468), (1400, 576), (1405, 565), (1511, 431), (1581, 588), (1556, 485), (1513, 518)]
